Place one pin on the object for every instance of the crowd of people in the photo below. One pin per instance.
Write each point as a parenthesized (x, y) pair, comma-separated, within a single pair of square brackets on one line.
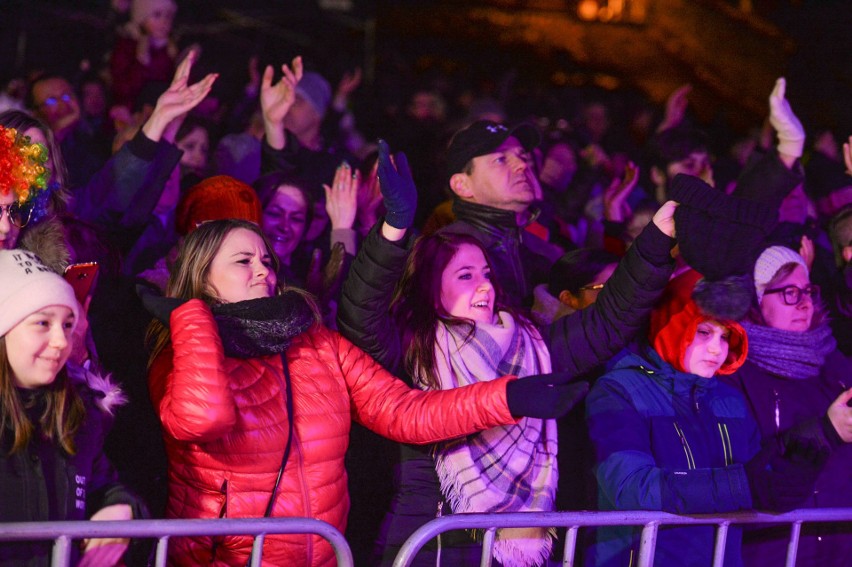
[(494, 307)]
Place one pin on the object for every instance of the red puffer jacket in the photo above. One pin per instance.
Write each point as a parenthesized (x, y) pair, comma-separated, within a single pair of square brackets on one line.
[(225, 427)]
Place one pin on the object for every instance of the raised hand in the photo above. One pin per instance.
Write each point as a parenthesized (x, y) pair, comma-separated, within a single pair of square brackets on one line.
[(347, 85), (398, 189), (277, 99), (847, 156), (840, 415), (675, 107), (791, 134), (341, 199), (615, 196), (178, 100), (664, 218)]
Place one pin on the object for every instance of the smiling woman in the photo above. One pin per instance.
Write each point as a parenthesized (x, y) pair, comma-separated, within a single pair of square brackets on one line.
[(53, 419), (795, 376)]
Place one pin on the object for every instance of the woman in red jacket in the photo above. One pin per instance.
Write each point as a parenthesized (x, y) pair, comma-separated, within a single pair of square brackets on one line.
[(246, 379)]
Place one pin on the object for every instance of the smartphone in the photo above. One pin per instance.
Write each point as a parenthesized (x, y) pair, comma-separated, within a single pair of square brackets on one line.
[(82, 279)]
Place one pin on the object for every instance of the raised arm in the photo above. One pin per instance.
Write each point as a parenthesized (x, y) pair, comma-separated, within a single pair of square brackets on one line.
[(591, 336)]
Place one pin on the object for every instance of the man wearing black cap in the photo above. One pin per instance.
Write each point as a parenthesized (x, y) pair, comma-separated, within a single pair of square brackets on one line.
[(493, 183)]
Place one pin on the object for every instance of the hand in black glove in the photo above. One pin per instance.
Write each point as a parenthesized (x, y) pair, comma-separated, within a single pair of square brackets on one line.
[(545, 396), (397, 186), (156, 304)]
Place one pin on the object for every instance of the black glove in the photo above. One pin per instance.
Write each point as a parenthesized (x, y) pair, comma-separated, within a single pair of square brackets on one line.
[(545, 396), (397, 186), (156, 304)]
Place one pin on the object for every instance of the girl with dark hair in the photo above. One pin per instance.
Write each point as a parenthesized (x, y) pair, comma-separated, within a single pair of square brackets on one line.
[(242, 367), (53, 418), (445, 325), (796, 376)]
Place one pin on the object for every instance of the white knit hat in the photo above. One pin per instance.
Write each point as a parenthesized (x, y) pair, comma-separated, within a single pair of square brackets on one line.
[(27, 285), (770, 261), (141, 9)]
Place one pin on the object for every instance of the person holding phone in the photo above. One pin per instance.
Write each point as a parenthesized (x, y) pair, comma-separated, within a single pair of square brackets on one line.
[(53, 418)]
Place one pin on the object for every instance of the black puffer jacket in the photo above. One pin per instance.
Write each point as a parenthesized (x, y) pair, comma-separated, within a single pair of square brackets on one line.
[(81, 484), (577, 343)]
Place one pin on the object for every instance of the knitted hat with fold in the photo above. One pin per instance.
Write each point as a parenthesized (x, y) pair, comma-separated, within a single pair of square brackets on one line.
[(720, 236), (27, 286), (675, 319), (769, 262), (219, 197)]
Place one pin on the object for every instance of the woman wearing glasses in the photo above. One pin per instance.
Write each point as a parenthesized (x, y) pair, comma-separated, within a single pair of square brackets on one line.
[(793, 374)]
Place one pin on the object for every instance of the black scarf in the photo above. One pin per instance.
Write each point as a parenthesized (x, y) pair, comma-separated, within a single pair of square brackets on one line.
[(260, 327)]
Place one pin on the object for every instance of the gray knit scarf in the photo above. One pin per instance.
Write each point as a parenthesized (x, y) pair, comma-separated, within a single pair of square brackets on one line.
[(791, 354)]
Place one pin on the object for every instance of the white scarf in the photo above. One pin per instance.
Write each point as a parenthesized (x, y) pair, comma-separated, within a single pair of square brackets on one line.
[(504, 469)]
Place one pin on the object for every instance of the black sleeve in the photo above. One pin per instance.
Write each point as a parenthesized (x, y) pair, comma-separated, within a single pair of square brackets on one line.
[(589, 337), (363, 315)]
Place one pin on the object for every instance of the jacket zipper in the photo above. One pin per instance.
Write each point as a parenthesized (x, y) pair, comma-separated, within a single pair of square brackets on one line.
[(726, 443), (303, 485), (777, 411), (690, 461), (223, 513)]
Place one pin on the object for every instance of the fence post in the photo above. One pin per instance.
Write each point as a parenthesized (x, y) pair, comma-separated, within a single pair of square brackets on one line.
[(487, 547), (570, 546), (648, 545), (721, 543), (61, 556), (793, 544)]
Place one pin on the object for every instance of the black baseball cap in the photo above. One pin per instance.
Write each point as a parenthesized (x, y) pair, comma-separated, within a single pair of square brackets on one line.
[(484, 137)]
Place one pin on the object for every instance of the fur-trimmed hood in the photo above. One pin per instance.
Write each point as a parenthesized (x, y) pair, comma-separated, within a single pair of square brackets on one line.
[(47, 241), (106, 394)]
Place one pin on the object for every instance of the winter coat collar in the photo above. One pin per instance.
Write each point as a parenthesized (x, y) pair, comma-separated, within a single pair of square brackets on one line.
[(680, 384)]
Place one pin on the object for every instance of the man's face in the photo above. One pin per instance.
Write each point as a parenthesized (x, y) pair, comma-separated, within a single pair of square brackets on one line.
[(503, 179), (56, 102)]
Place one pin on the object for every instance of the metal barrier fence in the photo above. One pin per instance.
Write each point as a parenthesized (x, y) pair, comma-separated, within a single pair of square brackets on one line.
[(651, 521), (63, 533)]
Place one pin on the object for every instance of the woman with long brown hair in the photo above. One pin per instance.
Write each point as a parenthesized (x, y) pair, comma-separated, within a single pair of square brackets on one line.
[(244, 368)]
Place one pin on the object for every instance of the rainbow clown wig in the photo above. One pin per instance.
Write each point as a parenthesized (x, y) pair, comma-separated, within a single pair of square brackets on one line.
[(23, 173)]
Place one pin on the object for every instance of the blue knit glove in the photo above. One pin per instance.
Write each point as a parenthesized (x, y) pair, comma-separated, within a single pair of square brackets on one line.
[(397, 186), (545, 396)]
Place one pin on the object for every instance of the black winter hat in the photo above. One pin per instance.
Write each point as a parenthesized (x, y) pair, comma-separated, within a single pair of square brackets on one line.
[(720, 236)]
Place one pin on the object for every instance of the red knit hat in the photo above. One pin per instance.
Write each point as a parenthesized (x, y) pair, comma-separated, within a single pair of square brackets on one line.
[(215, 198), (675, 319)]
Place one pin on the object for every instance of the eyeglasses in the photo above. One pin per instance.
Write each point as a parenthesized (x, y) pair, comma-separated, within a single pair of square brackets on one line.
[(593, 287), (54, 100), (19, 215), (793, 294)]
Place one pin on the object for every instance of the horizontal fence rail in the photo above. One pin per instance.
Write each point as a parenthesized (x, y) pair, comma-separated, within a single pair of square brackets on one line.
[(64, 533), (650, 522)]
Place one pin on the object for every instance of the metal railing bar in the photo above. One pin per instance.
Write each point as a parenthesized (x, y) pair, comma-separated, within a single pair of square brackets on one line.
[(63, 533), (570, 546), (721, 543), (648, 544), (61, 556), (575, 520), (487, 547), (162, 551), (793, 544)]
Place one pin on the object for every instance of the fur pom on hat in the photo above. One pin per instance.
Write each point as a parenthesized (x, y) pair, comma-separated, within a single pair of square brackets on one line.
[(215, 198), (720, 236), (27, 285)]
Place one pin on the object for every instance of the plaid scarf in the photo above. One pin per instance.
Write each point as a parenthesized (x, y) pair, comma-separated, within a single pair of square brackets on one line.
[(504, 469)]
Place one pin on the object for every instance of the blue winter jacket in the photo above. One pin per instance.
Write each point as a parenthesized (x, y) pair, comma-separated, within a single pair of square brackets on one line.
[(669, 441)]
